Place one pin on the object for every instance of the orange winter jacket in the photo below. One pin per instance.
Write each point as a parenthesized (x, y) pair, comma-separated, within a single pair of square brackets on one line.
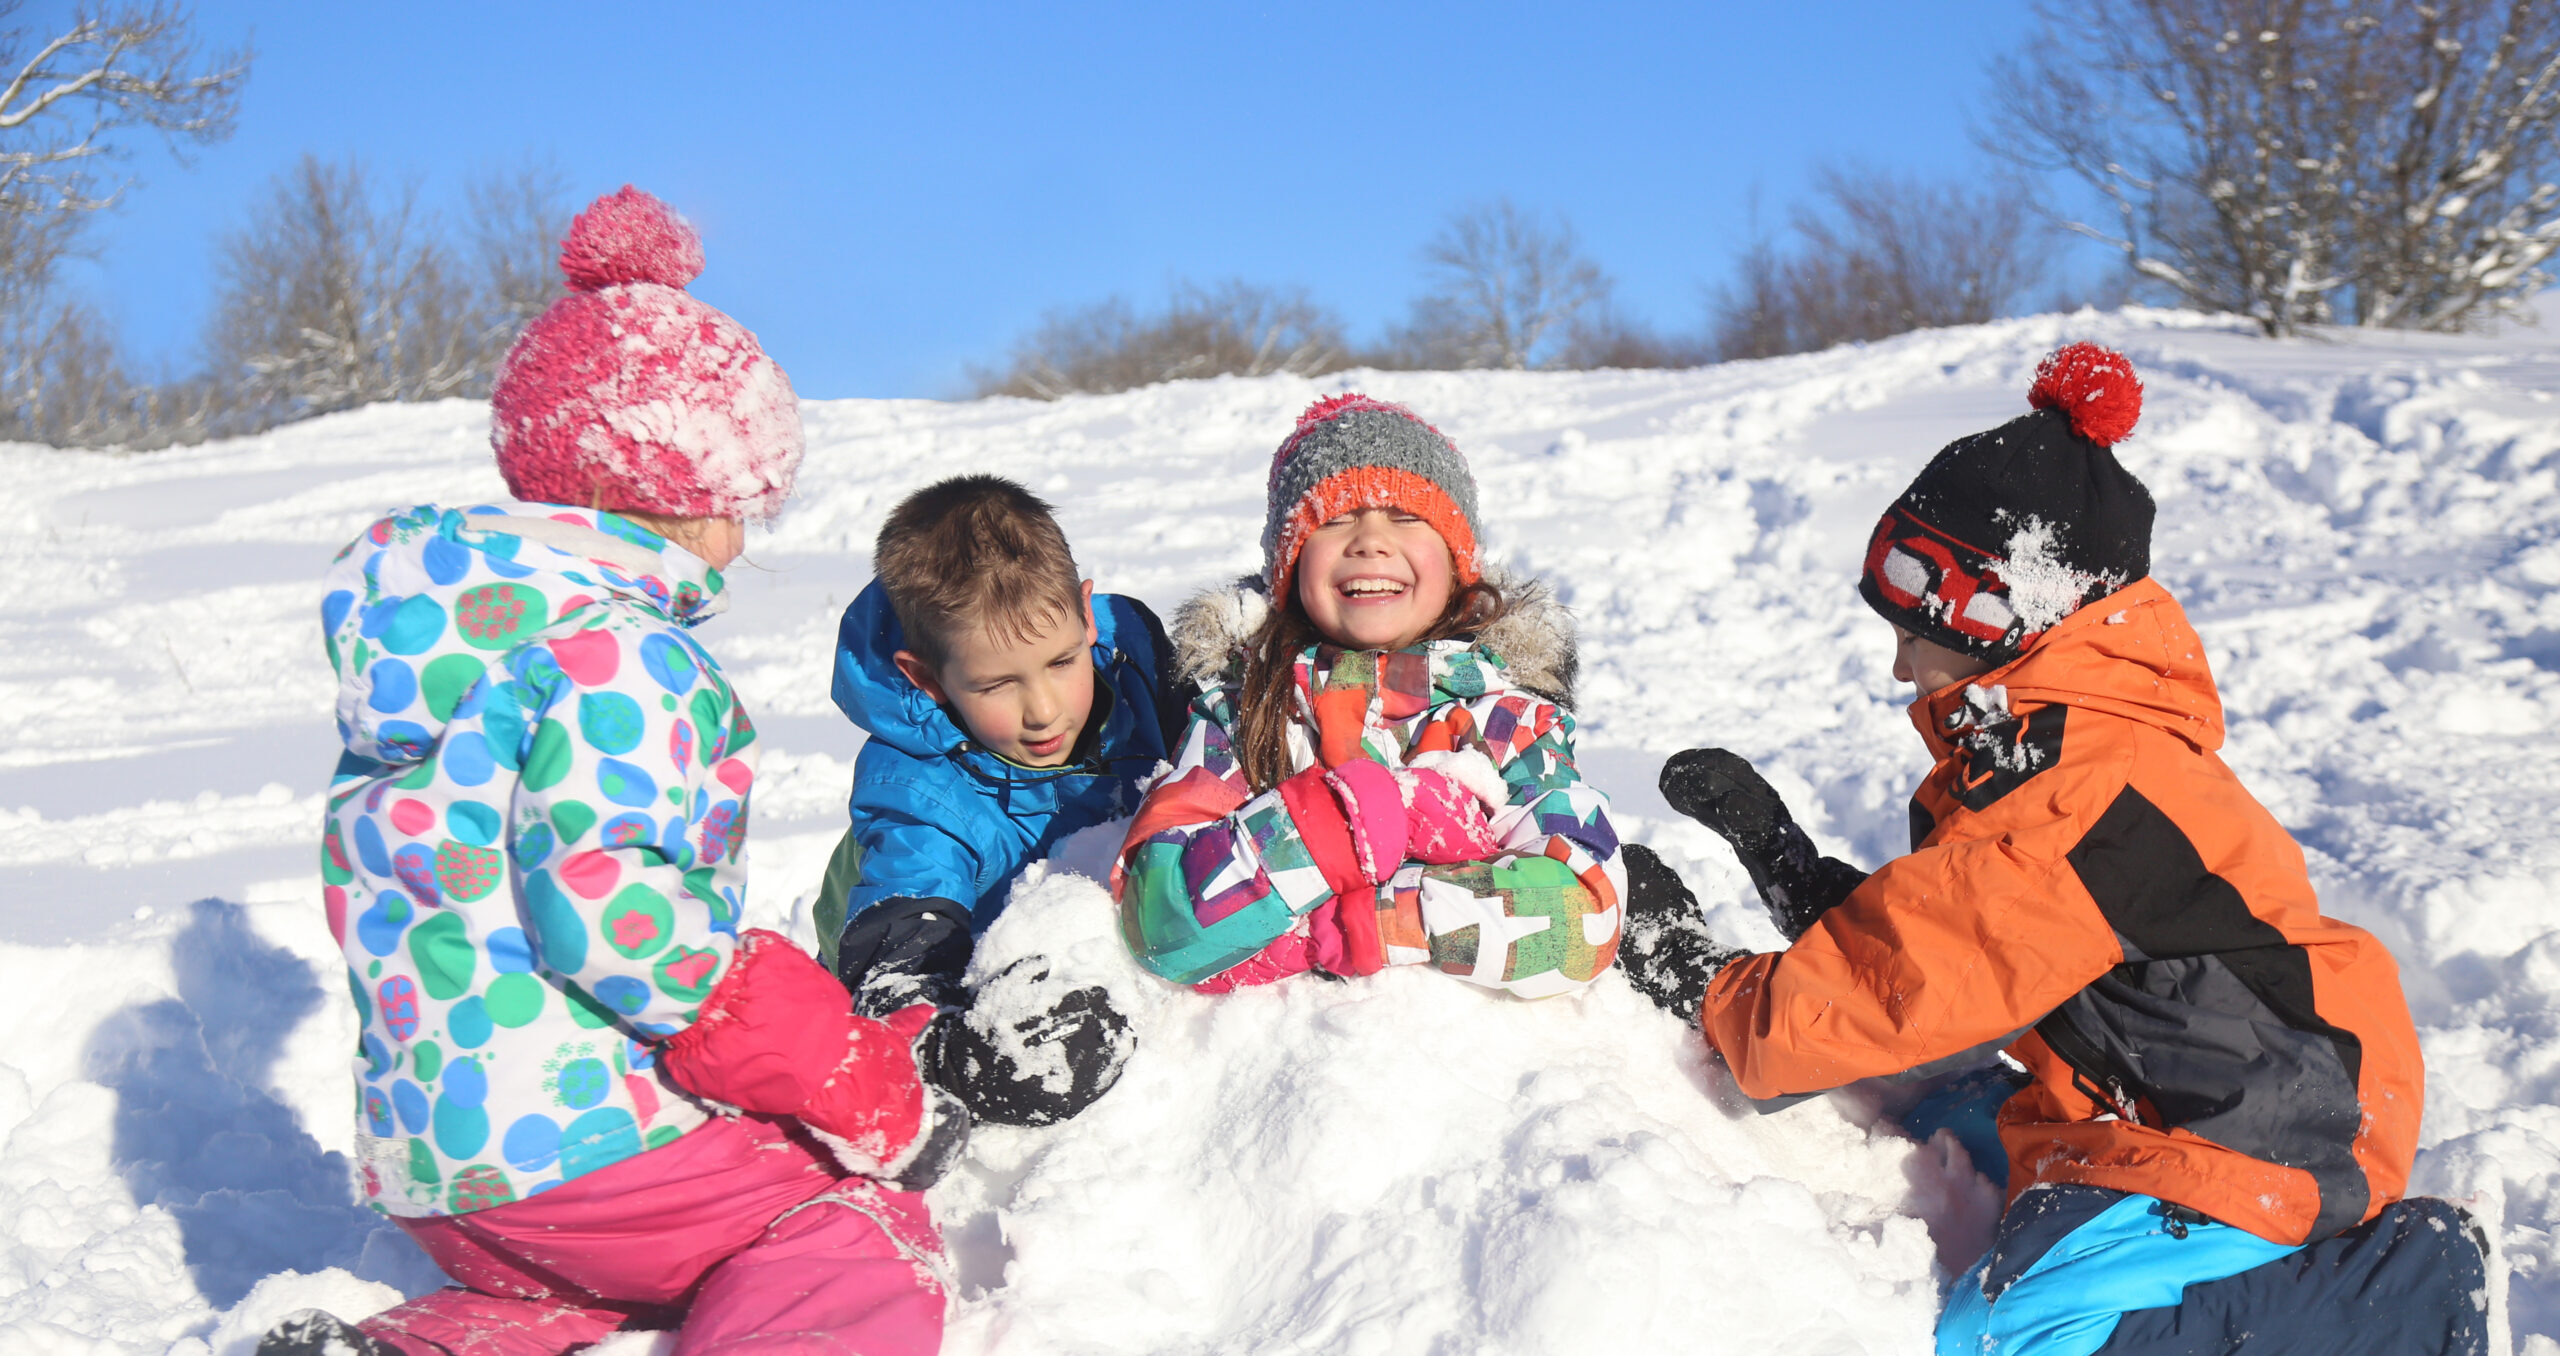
[(2089, 883)]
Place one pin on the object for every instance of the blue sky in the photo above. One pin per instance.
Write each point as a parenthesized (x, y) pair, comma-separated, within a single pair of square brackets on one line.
[(889, 193)]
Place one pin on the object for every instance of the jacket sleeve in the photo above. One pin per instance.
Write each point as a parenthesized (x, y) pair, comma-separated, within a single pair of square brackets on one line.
[(1962, 942), (907, 850), (629, 827), (1559, 864), (1209, 875)]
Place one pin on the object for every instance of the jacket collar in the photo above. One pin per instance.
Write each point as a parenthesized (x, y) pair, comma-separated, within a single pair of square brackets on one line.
[(2131, 654), (629, 560)]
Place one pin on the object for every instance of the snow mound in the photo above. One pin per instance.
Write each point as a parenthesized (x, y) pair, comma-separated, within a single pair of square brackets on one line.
[(1409, 1164)]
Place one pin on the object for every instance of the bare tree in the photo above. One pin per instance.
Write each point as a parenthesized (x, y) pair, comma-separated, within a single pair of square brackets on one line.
[(2373, 162), (70, 101), (1876, 254), (1605, 336), (1232, 328), (1507, 287), (333, 296), (518, 219)]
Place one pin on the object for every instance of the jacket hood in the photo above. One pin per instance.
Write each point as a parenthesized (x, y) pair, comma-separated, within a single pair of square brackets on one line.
[(427, 599), (872, 693), (2131, 654), (1534, 637)]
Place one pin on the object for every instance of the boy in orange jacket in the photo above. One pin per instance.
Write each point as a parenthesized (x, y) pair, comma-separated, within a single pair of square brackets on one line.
[(2221, 1086)]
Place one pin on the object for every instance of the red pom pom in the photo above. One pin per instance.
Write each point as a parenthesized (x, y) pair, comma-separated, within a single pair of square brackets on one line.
[(2095, 387), (629, 237)]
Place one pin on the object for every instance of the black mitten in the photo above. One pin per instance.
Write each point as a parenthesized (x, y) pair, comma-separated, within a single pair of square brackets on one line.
[(1028, 1050), (1667, 952), (1719, 789), (317, 1332), (901, 952)]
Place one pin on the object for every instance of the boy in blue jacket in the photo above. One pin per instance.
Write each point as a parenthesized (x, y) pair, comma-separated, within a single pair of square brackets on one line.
[(1008, 706)]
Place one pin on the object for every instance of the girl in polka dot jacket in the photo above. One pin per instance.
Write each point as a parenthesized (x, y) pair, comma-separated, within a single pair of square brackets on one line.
[(583, 1091)]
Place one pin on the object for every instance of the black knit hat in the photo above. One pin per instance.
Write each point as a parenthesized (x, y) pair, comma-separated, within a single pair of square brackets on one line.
[(2007, 532)]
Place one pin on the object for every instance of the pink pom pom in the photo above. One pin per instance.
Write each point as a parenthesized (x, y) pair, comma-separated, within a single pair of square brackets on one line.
[(2095, 387), (1330, 406), (629, 237)]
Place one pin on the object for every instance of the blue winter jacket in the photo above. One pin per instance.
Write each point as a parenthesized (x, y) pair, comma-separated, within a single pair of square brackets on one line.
[(937, 817)]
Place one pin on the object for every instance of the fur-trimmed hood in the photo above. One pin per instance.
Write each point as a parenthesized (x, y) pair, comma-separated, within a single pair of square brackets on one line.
[(1534, 636)]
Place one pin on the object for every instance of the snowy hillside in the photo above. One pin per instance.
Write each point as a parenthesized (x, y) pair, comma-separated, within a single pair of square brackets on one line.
[(2366, 531)]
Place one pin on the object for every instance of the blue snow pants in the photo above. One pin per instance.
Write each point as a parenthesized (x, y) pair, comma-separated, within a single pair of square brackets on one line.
[(2084, 1271)]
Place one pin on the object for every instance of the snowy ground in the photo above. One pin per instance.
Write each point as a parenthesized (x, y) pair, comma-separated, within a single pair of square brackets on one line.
[(2366, 530)]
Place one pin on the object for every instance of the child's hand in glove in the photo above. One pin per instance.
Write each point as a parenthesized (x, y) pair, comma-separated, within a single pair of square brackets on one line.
[(1028, 1050), (1667, 952), (779, 1036), (1720, 789)]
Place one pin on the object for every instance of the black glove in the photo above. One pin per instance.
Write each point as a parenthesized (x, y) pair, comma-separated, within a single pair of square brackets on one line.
[(1718, 788), (1029, 1051), (1667, 952), (901, 952), (317, 1332)]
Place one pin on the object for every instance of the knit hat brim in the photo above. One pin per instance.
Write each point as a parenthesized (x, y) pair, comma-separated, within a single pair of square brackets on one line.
[(1353, 451), (1363, 487)]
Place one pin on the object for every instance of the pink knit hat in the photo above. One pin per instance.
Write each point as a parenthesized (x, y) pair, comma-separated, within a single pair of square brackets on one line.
[(630, 394)]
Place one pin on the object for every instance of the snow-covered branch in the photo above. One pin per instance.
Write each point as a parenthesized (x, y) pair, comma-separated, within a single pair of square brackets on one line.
[(2306, 161)]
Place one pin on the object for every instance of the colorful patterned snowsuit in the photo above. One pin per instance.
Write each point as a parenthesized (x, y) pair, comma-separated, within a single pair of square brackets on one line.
[(533, 862), (1219, 884)]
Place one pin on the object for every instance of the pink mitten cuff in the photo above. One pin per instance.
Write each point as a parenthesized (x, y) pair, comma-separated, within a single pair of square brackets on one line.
[(1323, 828)]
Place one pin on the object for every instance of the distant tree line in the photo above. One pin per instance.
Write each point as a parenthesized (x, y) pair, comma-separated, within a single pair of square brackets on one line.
[(1506, 288), (2386, 163), (2390, 163), (336, 290)]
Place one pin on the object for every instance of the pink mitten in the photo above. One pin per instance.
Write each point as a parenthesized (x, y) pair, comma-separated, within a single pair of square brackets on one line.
[(1447, 819), (779, 1036), (1373, 806)]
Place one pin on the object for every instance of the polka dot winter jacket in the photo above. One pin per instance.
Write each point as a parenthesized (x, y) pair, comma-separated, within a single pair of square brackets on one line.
[(533, 855)]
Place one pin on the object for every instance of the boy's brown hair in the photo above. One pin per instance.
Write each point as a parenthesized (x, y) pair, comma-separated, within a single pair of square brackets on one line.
[(975, 552)]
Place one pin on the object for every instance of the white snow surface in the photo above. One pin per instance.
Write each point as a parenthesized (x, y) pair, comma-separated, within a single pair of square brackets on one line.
[(2366, 529)]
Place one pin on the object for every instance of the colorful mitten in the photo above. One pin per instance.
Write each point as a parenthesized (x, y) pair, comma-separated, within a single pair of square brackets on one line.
[(1352, 819), (1451, 798)]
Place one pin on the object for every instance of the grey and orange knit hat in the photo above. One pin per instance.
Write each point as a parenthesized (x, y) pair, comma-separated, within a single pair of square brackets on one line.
[(1353, 451), (2006, 532)]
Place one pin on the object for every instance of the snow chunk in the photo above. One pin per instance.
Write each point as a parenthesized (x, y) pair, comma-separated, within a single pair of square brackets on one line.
[(2042, 588)]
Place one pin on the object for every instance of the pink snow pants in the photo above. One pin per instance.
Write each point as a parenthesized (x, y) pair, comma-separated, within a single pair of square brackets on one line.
[(742, 1235)]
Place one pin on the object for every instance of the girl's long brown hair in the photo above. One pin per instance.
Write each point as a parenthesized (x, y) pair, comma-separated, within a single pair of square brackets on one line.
[(1271, 654)]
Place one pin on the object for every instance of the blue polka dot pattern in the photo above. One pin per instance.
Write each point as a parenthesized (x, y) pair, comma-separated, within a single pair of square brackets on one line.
[(532, 1143), (410, 1101), (395, 687)]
